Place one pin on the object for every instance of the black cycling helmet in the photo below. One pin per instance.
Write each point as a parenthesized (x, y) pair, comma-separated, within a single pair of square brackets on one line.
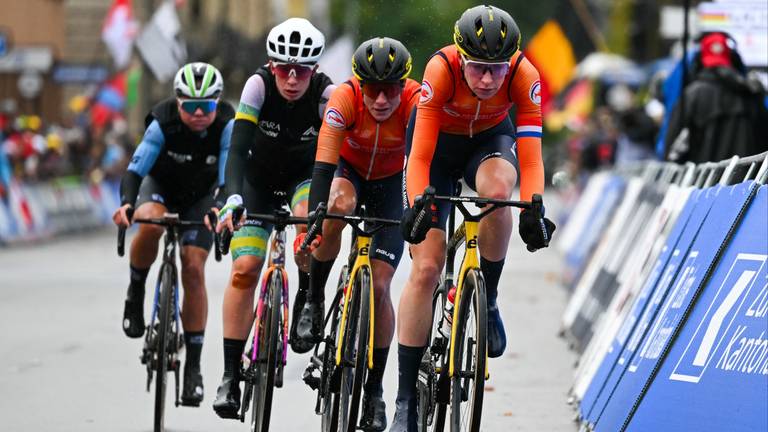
[(381, 60), (486, 33)]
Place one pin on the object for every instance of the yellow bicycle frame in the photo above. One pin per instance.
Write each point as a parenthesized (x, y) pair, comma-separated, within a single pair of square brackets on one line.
[(362, 259), (470, 261)]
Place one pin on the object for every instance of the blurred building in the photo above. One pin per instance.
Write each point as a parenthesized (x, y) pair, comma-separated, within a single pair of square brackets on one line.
[(51, 50)]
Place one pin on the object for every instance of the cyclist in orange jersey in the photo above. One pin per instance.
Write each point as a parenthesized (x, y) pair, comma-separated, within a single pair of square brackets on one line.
[(462, 128), (360, 159)]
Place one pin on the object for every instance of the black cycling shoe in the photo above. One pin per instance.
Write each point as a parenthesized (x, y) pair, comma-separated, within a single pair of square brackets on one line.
[(133, 319), (298, 305), (227, 403), (310, 327), (406, 419), (374, 417), (497, 337), (192, 394)]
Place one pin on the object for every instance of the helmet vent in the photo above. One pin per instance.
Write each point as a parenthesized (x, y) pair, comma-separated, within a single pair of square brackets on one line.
[(316, 51), (293, 49)]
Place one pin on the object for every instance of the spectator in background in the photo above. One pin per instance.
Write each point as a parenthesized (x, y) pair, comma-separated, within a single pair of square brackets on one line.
[(724, 110)]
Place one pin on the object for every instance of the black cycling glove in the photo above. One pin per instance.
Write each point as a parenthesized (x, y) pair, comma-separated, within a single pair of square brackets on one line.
[(535, 230), (417, 220)]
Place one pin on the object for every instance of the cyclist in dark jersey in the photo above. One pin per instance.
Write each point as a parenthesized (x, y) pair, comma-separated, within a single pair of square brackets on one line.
[(360, 157), (177, 168), (274, 140)]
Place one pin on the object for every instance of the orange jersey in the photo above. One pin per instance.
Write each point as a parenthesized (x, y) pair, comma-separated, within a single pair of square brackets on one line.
[(375, 150), (448, 105)]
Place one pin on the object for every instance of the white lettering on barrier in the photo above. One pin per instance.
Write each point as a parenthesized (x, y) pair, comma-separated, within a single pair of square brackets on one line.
[(667, 317), (741, 353)]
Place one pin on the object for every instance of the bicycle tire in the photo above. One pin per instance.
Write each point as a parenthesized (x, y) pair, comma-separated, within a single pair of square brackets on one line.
[(469, 365), (329, 419), (430, 412), (167, 283), (356, 341), (267, 367)]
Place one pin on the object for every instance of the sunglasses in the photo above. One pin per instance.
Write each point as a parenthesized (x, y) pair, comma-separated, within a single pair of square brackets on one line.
[(190, 106), (390, 90), (476, 69), (286, 70)]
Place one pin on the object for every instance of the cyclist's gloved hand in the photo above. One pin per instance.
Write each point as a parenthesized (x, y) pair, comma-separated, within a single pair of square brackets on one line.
[(417, 220), (535, 230), (225, 214)]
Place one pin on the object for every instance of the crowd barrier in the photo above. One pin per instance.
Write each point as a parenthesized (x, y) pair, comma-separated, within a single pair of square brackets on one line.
[(669, 298), (33, 212)]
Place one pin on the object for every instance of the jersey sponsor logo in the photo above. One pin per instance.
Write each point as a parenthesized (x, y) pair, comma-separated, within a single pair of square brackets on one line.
[(211, 159), (309, 134), (179, 157), (426, 92), (535, 92), (387, 254), (334, 119), (269, 128)]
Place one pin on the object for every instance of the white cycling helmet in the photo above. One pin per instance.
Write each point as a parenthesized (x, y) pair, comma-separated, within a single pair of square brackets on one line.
[(198, 80), (295, 40)]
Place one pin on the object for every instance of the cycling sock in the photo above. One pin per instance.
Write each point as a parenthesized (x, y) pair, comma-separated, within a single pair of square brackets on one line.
[(233, 350), (136, 286), (492, 274), (319, 271), (193, 341), (409, 359), (303, 281), (373, 384)]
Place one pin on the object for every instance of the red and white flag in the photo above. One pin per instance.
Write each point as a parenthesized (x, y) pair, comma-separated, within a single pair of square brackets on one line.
[(119, 31)]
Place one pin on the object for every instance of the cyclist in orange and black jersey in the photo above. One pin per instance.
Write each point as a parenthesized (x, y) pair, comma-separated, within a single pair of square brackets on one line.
[(462, 129), (360, 159)]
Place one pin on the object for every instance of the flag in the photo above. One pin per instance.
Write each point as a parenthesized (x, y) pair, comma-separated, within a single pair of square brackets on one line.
[(552, 54), (109, 100), (119, 31), (160, 43)]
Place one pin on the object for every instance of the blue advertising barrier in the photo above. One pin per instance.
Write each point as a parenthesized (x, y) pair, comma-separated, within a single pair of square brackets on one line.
[(622, 401), (697, 206), (647, 307), (715, 376), (576, 257)]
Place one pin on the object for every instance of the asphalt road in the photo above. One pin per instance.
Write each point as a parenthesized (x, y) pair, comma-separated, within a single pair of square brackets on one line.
[(65, 364)]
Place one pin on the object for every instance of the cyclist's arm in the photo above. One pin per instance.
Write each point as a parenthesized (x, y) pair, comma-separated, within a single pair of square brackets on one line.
[(435, 91), (525, 94), (224, 144), (339, 116), (142, 161), (243, 132)]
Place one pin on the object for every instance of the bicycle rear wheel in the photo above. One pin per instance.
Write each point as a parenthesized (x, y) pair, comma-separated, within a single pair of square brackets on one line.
[(266, 369), (164, 340), (355, 351), (468, 380)]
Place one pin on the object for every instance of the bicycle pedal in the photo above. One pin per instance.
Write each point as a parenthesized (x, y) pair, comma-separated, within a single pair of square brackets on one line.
[(279, 377), (310, 379)]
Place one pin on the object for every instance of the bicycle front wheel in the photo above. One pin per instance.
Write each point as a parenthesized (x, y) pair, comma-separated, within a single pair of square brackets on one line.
[(329, 395), (355, 351), (164, 340), (269, 337), (469, 345)]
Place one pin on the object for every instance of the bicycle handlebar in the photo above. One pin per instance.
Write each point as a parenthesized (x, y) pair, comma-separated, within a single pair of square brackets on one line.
[(168, 220), (279, 218), (351, 220), (121, 233)]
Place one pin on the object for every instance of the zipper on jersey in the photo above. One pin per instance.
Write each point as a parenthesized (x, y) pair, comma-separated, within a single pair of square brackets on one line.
[(373, 155), (472, 122)]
